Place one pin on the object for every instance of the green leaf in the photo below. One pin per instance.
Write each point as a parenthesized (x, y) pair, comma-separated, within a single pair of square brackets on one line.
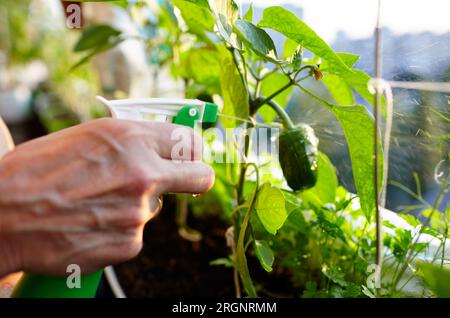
[(96, 51), (339, 89), (285, 22), (436, 278), (358, 126), (96, 36), (234, 93), (264, 254), (289, 48), (201, 3), (228, 8), (256, 38), (411, 219), (226, 12), (324, 191), (348, 58), (197, 15), (248, 16), (358, 80), (272, 83), (208, 74), (270, 207), (222, 262)]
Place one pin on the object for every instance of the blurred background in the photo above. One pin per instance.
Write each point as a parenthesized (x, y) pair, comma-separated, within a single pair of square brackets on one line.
[(40, 92)]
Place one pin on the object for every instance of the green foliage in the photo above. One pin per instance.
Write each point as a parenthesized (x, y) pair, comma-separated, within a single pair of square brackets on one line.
[(285, 22), (256, 38), (271, 208), (436, 278), (234, 93), (197, 15), (322, 238), (339, 89), (272, 83), (264, 254), (248, 16), (96, 36), (208, 74), (324, 191), (96, 39), (358, 126)]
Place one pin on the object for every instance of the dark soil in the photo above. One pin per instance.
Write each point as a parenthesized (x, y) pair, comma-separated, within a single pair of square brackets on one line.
[(170, 266)]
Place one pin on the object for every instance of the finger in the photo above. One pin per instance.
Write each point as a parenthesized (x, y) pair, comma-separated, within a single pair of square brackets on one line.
[(154, 206), (176, 142), (188, 177)]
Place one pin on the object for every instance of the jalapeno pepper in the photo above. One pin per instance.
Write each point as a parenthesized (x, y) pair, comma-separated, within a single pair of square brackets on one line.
[(298, 156)]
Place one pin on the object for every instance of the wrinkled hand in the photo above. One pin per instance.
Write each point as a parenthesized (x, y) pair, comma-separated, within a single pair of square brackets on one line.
[(83, 195)]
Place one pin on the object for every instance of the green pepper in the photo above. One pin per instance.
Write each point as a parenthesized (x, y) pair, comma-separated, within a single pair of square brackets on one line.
[(298, 156)]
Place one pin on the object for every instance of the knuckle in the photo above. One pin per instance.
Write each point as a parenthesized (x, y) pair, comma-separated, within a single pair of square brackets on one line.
[(141, 179), (133, 248), (135, 218), (114, 126)]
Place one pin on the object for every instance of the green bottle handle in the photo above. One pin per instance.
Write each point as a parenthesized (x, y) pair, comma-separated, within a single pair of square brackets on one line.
[(40, 286)]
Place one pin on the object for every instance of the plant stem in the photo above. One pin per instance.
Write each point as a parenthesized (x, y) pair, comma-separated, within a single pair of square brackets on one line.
[(378, 217), (237, 285), (241, 260), (292, 81), (286, 120), (443, 246), (275, 94), (242, 72)]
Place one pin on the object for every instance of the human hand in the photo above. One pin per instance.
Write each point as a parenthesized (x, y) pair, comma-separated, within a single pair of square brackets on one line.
[(83, 195)]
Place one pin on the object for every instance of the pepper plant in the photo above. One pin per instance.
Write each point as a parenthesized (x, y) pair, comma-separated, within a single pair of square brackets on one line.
[(310, 227)]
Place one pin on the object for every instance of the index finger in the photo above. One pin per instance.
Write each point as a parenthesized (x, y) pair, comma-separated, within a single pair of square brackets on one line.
[(188, 177)]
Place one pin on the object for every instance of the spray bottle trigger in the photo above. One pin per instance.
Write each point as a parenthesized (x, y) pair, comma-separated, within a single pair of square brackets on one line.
[(187, 116)]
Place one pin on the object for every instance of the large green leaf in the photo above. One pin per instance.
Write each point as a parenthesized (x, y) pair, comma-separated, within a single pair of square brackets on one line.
[(197, 15), (340, 84), (264, 254), (271, 208), (324, 191), (339, 89), (289, 48), (208, 74), (96, 36), (256, 38), (270, 85), (234, 93), (358, 80), (437, 278), (285, 22), (358, 126), (348, 58)]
